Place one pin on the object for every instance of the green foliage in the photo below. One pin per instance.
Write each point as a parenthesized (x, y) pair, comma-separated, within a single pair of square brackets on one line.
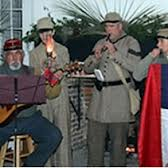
[(146, 27), (32, 35), (140, 20), (65, 29), (144, 21), (74, 26)]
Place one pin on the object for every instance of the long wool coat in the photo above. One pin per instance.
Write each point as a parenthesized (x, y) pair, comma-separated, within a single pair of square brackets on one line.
[(112, 103), (56, 110)]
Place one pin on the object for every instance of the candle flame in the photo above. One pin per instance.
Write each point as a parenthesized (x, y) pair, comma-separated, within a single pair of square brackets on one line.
[(49, 44)]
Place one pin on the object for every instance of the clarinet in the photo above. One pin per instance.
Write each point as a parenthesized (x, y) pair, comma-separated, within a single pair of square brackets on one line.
[(107, 39)]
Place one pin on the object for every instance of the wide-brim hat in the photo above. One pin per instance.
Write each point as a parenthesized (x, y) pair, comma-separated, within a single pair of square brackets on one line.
[(163, 33), (12, 44), (112, 17), (45, 23)]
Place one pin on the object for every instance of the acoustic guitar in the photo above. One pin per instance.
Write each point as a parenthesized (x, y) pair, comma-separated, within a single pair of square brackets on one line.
[(53, 87), (6, 111)]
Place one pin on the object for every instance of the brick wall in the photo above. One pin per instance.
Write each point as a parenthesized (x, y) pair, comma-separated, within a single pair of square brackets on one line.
[(80, 91)]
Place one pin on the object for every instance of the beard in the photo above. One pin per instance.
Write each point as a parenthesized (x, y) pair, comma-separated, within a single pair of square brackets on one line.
[(15, 66)]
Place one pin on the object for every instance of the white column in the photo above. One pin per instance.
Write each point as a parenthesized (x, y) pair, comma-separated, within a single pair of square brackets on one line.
[(1, 46), (11, 20), (27, 20)]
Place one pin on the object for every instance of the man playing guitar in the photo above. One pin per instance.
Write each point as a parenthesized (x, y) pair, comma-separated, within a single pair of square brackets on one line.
[(29, 121)]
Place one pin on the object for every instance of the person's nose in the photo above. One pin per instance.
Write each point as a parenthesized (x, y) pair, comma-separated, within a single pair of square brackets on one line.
[(158, 44), (15, 57)]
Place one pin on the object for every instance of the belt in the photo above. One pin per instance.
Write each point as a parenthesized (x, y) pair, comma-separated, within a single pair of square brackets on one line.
[(114, 83), (100, 85)]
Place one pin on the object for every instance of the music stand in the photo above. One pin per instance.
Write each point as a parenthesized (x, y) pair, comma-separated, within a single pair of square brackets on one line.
[(23, 89)]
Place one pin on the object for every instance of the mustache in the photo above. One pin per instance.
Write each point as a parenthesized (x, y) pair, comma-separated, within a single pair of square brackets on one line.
[(15, 65)]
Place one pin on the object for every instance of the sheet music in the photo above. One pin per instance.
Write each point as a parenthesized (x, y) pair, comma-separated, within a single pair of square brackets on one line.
[(99, 75)]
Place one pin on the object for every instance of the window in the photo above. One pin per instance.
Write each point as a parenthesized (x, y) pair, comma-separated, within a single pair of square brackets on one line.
[(11, 18), (17, 4)]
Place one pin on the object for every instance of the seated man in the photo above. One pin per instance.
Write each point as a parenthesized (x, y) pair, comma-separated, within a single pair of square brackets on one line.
[(29, 121)]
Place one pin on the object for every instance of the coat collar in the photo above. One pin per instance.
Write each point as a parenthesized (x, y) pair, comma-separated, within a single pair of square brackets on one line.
[(115, 39)]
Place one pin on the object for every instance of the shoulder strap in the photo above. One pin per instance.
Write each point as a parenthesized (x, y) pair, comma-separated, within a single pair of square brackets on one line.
[(119, 39), (121, 75)]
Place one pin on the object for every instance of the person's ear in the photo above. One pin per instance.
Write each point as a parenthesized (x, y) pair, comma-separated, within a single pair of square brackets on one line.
[(120, 26), (23, 55), (53, 32)]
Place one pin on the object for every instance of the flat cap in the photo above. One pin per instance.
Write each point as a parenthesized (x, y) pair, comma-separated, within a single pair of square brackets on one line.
[(112, 17), (45, 23), (12, 44), (163, 33)]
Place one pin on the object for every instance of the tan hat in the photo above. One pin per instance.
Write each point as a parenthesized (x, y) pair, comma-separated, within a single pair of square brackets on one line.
[(45, 23), (112, 17), (163, 33)]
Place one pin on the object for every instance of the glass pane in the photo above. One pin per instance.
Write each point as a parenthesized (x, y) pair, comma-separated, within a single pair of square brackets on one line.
[(5, 20), (17, 19), (17, 34), (6, 35), (17, 4), (5, 4)]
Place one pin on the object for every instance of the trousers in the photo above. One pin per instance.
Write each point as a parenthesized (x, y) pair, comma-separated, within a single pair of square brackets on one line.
[(118, 133), (45, 135)]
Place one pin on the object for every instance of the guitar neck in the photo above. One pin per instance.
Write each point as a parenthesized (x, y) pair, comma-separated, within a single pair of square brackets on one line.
[(69, 68)]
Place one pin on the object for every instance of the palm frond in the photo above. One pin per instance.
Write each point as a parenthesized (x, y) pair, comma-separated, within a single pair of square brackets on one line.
[(84, 17), (133, 14), (140, 16)]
